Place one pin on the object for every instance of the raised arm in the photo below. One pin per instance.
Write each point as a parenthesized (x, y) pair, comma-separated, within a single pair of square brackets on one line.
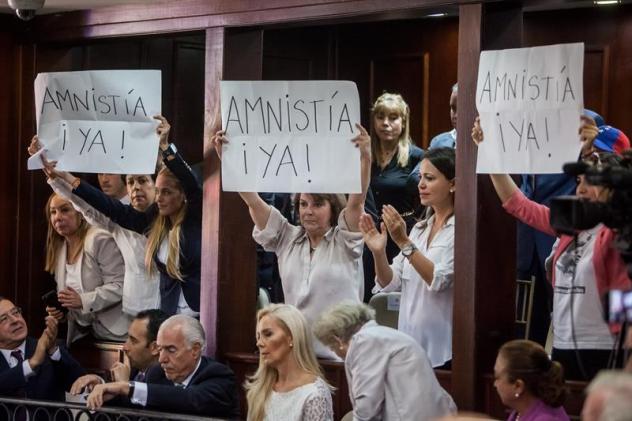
[(375, 240), (258, 208), (355, 204), (503, 183)]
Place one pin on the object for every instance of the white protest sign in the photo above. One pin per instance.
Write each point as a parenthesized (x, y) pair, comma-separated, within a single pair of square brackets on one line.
[(98, 121), (529, 101), (292, 136)]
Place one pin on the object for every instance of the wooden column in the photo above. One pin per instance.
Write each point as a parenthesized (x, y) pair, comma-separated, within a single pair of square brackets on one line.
[(485, 235), (229, 290)]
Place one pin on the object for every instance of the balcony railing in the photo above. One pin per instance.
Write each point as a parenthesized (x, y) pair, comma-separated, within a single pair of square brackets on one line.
[(14, 410)]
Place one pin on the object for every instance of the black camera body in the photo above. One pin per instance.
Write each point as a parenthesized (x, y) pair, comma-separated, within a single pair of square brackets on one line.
[(570, 214)]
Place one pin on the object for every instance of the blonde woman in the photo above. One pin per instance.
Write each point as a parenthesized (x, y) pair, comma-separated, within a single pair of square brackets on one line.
[(89, 270), (172, 226), (388, 373), (394, 177), (288, 384)]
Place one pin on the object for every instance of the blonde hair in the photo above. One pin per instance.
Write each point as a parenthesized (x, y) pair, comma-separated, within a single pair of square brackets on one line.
[(259, 385), (54, 241), (162, 227), (342, 321), (389, 102)]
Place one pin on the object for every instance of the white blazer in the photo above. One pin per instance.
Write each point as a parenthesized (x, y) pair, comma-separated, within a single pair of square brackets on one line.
[(102, 272), (390, 378)]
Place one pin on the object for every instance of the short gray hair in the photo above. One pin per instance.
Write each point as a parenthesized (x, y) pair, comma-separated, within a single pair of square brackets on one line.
[(455, 88), (342, 321), (617, 388), (192, 329)]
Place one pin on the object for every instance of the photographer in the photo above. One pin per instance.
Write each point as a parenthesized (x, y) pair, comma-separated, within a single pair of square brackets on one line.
[(581, 268)]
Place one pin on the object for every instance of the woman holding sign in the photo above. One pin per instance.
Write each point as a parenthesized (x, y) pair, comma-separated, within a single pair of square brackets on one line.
[(320, 261), (587, 266), (172, 225), (424, 269)]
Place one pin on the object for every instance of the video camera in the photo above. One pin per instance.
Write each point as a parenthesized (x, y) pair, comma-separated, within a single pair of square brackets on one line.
[(570, 214)]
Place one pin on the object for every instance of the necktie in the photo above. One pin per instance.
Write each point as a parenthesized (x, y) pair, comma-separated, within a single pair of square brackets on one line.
[(17, 354), (140, 377), (20, 393), (179, 385)]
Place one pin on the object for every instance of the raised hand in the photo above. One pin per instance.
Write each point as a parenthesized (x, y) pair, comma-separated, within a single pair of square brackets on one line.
[(477, 131), (374, 239), (163, 131), (120, 372), (218, 140), (54, 312), (363, 142), (395, 225)]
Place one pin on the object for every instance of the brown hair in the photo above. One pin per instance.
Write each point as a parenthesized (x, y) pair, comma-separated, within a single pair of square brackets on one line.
[(336, 201), (528, 361), (54, 241)]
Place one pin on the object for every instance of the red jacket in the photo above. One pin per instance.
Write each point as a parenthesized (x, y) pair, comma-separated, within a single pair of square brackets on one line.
[(610, 270)]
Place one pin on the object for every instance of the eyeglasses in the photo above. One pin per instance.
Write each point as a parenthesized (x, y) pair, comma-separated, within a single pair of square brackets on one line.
[(15, 313)]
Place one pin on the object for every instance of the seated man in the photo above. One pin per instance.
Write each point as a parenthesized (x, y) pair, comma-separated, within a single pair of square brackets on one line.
[(185, 382), (31, 368), (609, 397), (141, 350)]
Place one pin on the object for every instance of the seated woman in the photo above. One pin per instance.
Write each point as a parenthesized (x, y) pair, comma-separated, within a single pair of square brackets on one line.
[(288, 384), (140, 288), (586, 267), (388, 373), (172, 226), (89, 269), (424, 269), (320, 261), (529, 383)]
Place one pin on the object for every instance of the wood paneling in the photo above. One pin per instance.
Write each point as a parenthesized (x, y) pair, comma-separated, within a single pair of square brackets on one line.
[(485, 235)]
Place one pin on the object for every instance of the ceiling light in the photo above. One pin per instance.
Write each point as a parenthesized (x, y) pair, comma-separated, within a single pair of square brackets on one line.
[(606, 2), (436, 15)]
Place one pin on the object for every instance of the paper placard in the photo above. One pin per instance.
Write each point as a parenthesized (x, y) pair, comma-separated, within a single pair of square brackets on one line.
[(292, 136), (98, 121), (529, 101)]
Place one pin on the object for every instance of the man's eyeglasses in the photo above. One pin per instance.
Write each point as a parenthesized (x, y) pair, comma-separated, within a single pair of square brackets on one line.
[(15, 312)]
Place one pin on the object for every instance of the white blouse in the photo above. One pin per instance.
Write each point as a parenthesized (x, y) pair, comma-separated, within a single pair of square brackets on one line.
[(315, 282), (425, 311), (575, 280), (390, 378), (310, 402)]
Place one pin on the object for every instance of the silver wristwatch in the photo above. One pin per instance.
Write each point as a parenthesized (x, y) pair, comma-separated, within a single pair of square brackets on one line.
[(409, 249)]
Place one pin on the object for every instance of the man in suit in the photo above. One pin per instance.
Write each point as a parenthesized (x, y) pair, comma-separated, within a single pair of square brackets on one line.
[(185, 382), (141, 350), (32, 368), (448, 139)]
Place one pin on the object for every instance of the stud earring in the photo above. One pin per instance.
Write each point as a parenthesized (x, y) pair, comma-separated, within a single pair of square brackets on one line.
[(517, 395), (291, 345)]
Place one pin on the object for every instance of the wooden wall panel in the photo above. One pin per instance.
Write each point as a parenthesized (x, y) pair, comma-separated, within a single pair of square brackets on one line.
[(607, 34)]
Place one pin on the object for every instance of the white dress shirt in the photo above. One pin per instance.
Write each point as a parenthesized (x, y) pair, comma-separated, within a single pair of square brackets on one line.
[(425, 311), (390, 378), (139, 397), (26, 367), (313, 282)]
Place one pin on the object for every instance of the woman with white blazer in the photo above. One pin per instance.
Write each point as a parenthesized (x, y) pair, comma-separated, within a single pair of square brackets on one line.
[(388, 372)]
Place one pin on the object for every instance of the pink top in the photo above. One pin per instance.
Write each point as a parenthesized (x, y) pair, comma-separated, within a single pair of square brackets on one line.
[(540, 411), (610, 270)]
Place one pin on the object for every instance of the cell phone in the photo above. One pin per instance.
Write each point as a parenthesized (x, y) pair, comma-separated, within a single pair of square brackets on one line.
[(50, 300), (618, 306)]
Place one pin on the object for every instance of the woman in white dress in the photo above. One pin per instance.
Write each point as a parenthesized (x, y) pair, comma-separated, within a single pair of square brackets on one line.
[(424, 269), (288, 385), (388, 373)]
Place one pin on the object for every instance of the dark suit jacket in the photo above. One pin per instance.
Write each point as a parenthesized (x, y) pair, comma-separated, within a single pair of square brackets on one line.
[(50, 380), (212, 391)]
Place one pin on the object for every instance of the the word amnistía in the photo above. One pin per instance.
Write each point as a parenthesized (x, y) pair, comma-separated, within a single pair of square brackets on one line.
[(288, 114), (523, 86), (89, 100)]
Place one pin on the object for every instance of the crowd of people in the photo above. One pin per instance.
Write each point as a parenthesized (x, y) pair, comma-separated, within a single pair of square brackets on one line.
[(126, 263)]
